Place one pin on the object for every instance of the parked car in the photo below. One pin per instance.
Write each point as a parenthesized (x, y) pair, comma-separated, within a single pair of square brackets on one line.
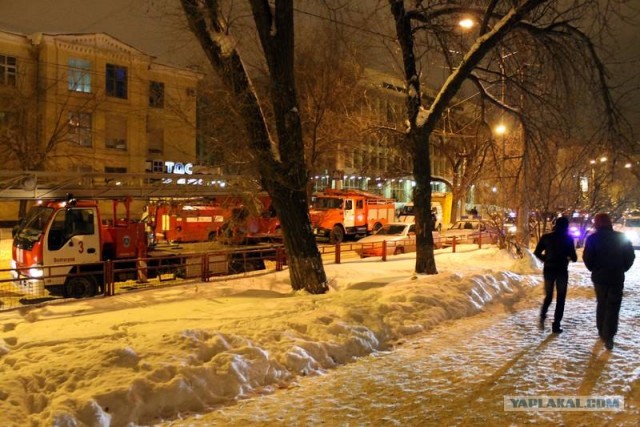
[(468, 231), (408, 215), (400, 238)]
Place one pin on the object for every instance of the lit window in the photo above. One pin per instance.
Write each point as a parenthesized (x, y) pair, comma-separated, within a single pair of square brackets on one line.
[(80, 128), (116, 81), (8, 70), (80, 75)]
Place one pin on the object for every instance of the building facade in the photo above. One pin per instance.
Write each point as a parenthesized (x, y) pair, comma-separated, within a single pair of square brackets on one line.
[(91, 103)]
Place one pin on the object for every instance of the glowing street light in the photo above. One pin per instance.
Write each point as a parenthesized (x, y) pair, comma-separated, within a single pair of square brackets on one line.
[(466, 23), (501, 129)]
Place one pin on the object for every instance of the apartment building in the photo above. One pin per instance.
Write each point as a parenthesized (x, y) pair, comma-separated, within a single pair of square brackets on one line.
[(91, 103)]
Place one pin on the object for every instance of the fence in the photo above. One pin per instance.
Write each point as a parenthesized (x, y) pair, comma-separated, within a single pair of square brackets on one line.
[(109, 278)]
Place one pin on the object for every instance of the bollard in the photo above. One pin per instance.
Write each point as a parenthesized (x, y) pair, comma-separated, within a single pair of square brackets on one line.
[(480, 240), (204, 269), (384, 250), (142, 270), (109, 285), (338, 253), (279, 254), (453, 244)]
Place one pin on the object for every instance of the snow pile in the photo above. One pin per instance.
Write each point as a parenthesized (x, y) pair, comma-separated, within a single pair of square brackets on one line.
[(147, 356)]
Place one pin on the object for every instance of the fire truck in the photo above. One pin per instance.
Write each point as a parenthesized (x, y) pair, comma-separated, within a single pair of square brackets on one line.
[(62, 241), (337, 214), (231, 219), (72, 238), (185, 222)]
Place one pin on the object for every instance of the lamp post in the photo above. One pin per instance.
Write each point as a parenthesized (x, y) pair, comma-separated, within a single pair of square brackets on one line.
[(501, 130)]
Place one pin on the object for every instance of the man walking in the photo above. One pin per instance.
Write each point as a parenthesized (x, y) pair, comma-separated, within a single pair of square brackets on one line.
[(608, 254), (555, 249)]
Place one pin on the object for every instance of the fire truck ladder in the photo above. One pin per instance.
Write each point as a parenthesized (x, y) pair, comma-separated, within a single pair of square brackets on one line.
[(28, 185)]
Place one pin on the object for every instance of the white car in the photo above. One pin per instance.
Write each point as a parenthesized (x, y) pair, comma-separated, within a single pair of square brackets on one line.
[(631, 228), (400, 238), (467, 231)]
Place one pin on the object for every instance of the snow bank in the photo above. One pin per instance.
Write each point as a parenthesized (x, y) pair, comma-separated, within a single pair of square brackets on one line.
[(143, 357)]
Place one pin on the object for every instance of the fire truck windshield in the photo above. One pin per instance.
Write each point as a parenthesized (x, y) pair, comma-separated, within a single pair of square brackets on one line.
[(327, 203), (33, 225)]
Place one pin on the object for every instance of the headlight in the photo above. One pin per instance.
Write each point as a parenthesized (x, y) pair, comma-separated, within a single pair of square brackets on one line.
[(14, 265), (36, 272)]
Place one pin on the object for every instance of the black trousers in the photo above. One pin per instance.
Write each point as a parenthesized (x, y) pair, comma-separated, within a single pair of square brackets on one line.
[(558, 280), (609, 297)]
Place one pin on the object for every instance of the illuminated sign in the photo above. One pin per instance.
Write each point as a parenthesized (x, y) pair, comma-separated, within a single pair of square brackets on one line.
[(179, 168)]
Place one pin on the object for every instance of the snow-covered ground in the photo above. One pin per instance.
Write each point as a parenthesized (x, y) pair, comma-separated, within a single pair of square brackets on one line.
[(146, 357), (459, 373)]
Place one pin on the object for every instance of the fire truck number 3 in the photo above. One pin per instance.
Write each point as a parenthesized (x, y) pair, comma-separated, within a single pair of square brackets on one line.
[(80, 246)]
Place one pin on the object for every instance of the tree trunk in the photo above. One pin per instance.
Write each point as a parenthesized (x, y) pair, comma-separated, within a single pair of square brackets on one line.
[(283, 171), (425, 259), (418, 140), (303, 258)]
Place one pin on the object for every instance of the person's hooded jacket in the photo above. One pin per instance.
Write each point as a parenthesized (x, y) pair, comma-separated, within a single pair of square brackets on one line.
[(608, 254), (556, 249)]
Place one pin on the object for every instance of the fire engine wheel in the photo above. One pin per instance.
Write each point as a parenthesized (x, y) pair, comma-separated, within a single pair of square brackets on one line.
[(377, 226), (211, 237), (336, 235), (80, 287)]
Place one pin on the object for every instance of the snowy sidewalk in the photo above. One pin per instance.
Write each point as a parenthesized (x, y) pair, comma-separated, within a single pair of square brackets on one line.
[(459, 372)]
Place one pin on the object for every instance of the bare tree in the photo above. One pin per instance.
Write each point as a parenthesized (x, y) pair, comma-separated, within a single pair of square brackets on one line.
[(553, 35), (281, 160)]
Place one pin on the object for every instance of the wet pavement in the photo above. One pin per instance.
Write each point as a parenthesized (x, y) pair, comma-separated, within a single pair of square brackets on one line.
[(460, 372)]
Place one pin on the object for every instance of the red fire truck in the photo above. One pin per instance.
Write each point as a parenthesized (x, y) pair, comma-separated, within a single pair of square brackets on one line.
[(72, 238), (232, 219), (336, 214)]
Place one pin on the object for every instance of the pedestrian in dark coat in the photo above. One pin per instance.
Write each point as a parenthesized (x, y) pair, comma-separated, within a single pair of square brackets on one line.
[(608, 254), (555, 249)]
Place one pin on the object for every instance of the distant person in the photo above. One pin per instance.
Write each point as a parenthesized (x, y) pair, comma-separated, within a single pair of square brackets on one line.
[(474, 211), (555, 249), (608, 254)]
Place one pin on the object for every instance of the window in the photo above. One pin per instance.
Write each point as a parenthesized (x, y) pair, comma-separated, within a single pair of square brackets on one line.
[(114, 169), (155, 166), (8, 120), (7, 70), (155, 138), (80, 128), (79, 75), (156, 94), (116, 133), (116, 79), (81, 168), (69, 223)]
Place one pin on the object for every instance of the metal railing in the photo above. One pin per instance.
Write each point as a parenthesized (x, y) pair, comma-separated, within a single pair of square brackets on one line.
[(119, 276)]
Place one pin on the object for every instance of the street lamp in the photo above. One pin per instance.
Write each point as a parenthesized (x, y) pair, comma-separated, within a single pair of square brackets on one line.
[(466, 23)]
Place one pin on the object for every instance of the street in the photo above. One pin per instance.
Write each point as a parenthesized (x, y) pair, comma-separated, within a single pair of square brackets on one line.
[(459, 372)]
